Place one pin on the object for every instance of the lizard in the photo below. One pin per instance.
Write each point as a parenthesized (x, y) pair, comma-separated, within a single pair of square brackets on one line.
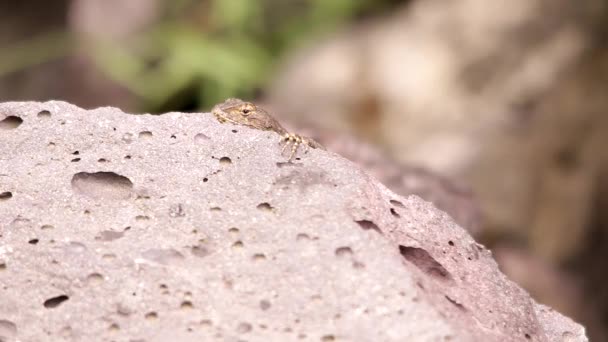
[(239, 112)]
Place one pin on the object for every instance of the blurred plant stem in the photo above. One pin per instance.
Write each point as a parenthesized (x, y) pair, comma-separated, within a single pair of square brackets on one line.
[(35, 51)]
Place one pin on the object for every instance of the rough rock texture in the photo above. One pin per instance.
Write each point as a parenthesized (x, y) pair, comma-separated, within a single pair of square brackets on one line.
[(175, 227), (455, 198)]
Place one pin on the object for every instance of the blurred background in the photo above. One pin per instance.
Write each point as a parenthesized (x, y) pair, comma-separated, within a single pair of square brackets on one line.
[(494, 111)]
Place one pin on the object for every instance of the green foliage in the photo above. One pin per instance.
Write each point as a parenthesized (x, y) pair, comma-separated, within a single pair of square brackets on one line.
[(34, 51), (201, 51), (229, 52)]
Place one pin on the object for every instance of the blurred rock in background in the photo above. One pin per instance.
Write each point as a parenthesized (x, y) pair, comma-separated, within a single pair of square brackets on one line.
[(495, 112), (39, 63), (505, 97)]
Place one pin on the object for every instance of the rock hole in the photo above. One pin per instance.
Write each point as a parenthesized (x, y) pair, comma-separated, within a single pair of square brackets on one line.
[(233, 230), (259, 257), (237, 244), (451, 243), (54, 302), (46, 226), (94, 278), (425, 262), (163, 286), (568, 336), (44, 114), (205, 180), (199, 251), (265, 304), (102, 160), (234, 131), (225, 161), (358, 265), (164, 256), (10, 122), (200, 137), (366, 225), (395, 213), (328, 338), (102, 185), (186, 305), (287, 164), (75, 160), (265, 206), (302, 237), (109, 235), (145, 135), (127, 137), (33, 241), (177, 210), (114, 327), (215, 209), (2, 266), (173, 136), (76, 153), (20, 222), (343, 251), (527, 336), (244, 327), (127, 157), (75, 247), (8, 330), (151, 315), (397, 203), (142, 218), (5, 195), (455, 303), (316, 298)]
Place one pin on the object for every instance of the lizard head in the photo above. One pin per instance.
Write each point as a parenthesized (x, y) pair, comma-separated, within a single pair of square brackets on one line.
[(234, 109)]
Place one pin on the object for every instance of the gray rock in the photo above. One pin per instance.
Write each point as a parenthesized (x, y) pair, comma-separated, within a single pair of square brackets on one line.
[(120, 227)]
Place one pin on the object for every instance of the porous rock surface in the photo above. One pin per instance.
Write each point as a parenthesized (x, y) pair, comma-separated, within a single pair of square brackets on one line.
[(117, 227)]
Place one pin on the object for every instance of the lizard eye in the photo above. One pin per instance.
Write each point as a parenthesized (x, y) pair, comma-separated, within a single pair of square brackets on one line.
[(247, 109)]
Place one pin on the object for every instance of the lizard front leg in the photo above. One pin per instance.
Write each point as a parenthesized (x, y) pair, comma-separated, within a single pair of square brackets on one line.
[(295, 140)]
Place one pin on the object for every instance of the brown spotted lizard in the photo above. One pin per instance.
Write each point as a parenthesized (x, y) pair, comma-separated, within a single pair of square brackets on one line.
[(239, 112)]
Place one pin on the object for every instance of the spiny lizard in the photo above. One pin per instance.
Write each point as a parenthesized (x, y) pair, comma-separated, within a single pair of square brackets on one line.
[(239, 112)]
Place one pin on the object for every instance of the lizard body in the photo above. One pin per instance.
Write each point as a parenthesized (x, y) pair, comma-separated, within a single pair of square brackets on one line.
[(239, 112)]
